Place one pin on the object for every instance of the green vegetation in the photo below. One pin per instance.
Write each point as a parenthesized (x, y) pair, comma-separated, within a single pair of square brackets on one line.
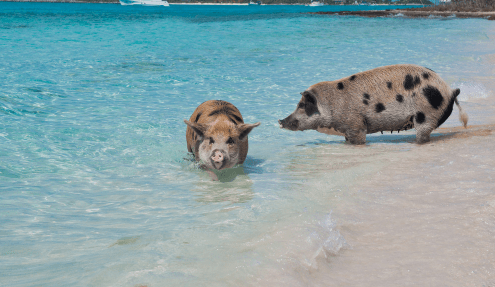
[(424, 2), (480, 5)]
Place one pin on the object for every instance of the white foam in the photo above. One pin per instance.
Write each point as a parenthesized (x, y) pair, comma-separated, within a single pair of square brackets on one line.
[(306, 247), (471, 90)]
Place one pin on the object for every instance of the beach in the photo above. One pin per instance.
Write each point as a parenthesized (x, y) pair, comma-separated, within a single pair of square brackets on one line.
[(426, 219)]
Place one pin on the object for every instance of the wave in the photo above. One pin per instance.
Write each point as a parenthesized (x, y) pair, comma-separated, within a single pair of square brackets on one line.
[(297, 251), (472, 90)]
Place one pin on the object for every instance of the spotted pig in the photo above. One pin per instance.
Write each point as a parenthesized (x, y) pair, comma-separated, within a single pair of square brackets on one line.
[(390, 98), (217, 135)]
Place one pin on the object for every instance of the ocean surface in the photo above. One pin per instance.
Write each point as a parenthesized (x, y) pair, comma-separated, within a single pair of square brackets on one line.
[(97, 187)]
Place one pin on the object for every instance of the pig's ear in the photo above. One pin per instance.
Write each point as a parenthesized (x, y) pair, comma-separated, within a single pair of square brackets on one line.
[(245, 129), (199, 129)]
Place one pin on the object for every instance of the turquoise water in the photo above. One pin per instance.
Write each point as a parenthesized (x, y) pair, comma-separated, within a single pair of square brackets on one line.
[(96, 185)]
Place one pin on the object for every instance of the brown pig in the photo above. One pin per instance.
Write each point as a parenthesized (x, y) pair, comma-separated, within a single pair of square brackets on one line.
[(217, 135)]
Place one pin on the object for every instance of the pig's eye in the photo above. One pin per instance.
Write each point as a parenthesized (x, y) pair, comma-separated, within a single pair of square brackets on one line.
[(212, 141), (301, 105), (230, 141)]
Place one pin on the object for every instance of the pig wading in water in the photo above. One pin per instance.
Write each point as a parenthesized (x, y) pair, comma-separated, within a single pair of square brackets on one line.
[(217, 135), (390, 98)]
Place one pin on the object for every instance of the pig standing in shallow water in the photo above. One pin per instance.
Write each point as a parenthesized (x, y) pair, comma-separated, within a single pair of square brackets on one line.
[(217, 135), (390, 98)]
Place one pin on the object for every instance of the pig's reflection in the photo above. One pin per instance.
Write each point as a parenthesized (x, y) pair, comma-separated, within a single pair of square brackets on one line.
[(226, 188), (234, 184)]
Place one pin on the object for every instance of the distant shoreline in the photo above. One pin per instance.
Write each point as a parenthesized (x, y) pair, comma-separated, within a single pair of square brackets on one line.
[(190, 3), (412, 13), (64, 1)]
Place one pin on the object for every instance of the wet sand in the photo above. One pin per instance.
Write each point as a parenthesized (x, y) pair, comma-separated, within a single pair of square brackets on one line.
[(460, 132), (427, 218), (442, 133)]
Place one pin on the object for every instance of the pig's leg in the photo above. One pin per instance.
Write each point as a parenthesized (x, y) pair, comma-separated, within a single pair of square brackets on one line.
[(356, 133), (356, 137), (423, 135), (423, 128)]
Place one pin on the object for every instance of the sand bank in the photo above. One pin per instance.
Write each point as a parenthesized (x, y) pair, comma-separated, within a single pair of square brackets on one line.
[(427, 217)]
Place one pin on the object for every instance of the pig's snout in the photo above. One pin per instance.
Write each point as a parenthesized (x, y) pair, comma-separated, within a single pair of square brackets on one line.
[(288, 123), (217, 156), (218, 159)]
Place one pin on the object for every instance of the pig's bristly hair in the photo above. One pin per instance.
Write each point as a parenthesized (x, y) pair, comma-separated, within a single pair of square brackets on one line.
[(229, 112)]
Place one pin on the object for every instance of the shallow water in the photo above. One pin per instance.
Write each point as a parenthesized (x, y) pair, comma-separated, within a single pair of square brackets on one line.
[(97, 187)]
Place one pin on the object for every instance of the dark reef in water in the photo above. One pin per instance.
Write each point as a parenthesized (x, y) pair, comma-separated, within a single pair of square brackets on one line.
[(414, 13)]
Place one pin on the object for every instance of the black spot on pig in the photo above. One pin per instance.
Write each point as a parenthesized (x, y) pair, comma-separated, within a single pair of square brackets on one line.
[(410, 82), (426, 75), (399, 98), (417, 80), (433, 96), (366, 96), (353, 77), (389, 85), (420, 118), (365, 102), (340, 86), (309, 98), (379, 108), (310, 108)]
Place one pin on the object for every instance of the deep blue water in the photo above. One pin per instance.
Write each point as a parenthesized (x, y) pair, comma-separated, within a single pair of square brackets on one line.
[(96, 185)]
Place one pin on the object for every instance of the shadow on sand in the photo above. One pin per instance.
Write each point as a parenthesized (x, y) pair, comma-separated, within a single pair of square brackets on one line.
[(440, 134)]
